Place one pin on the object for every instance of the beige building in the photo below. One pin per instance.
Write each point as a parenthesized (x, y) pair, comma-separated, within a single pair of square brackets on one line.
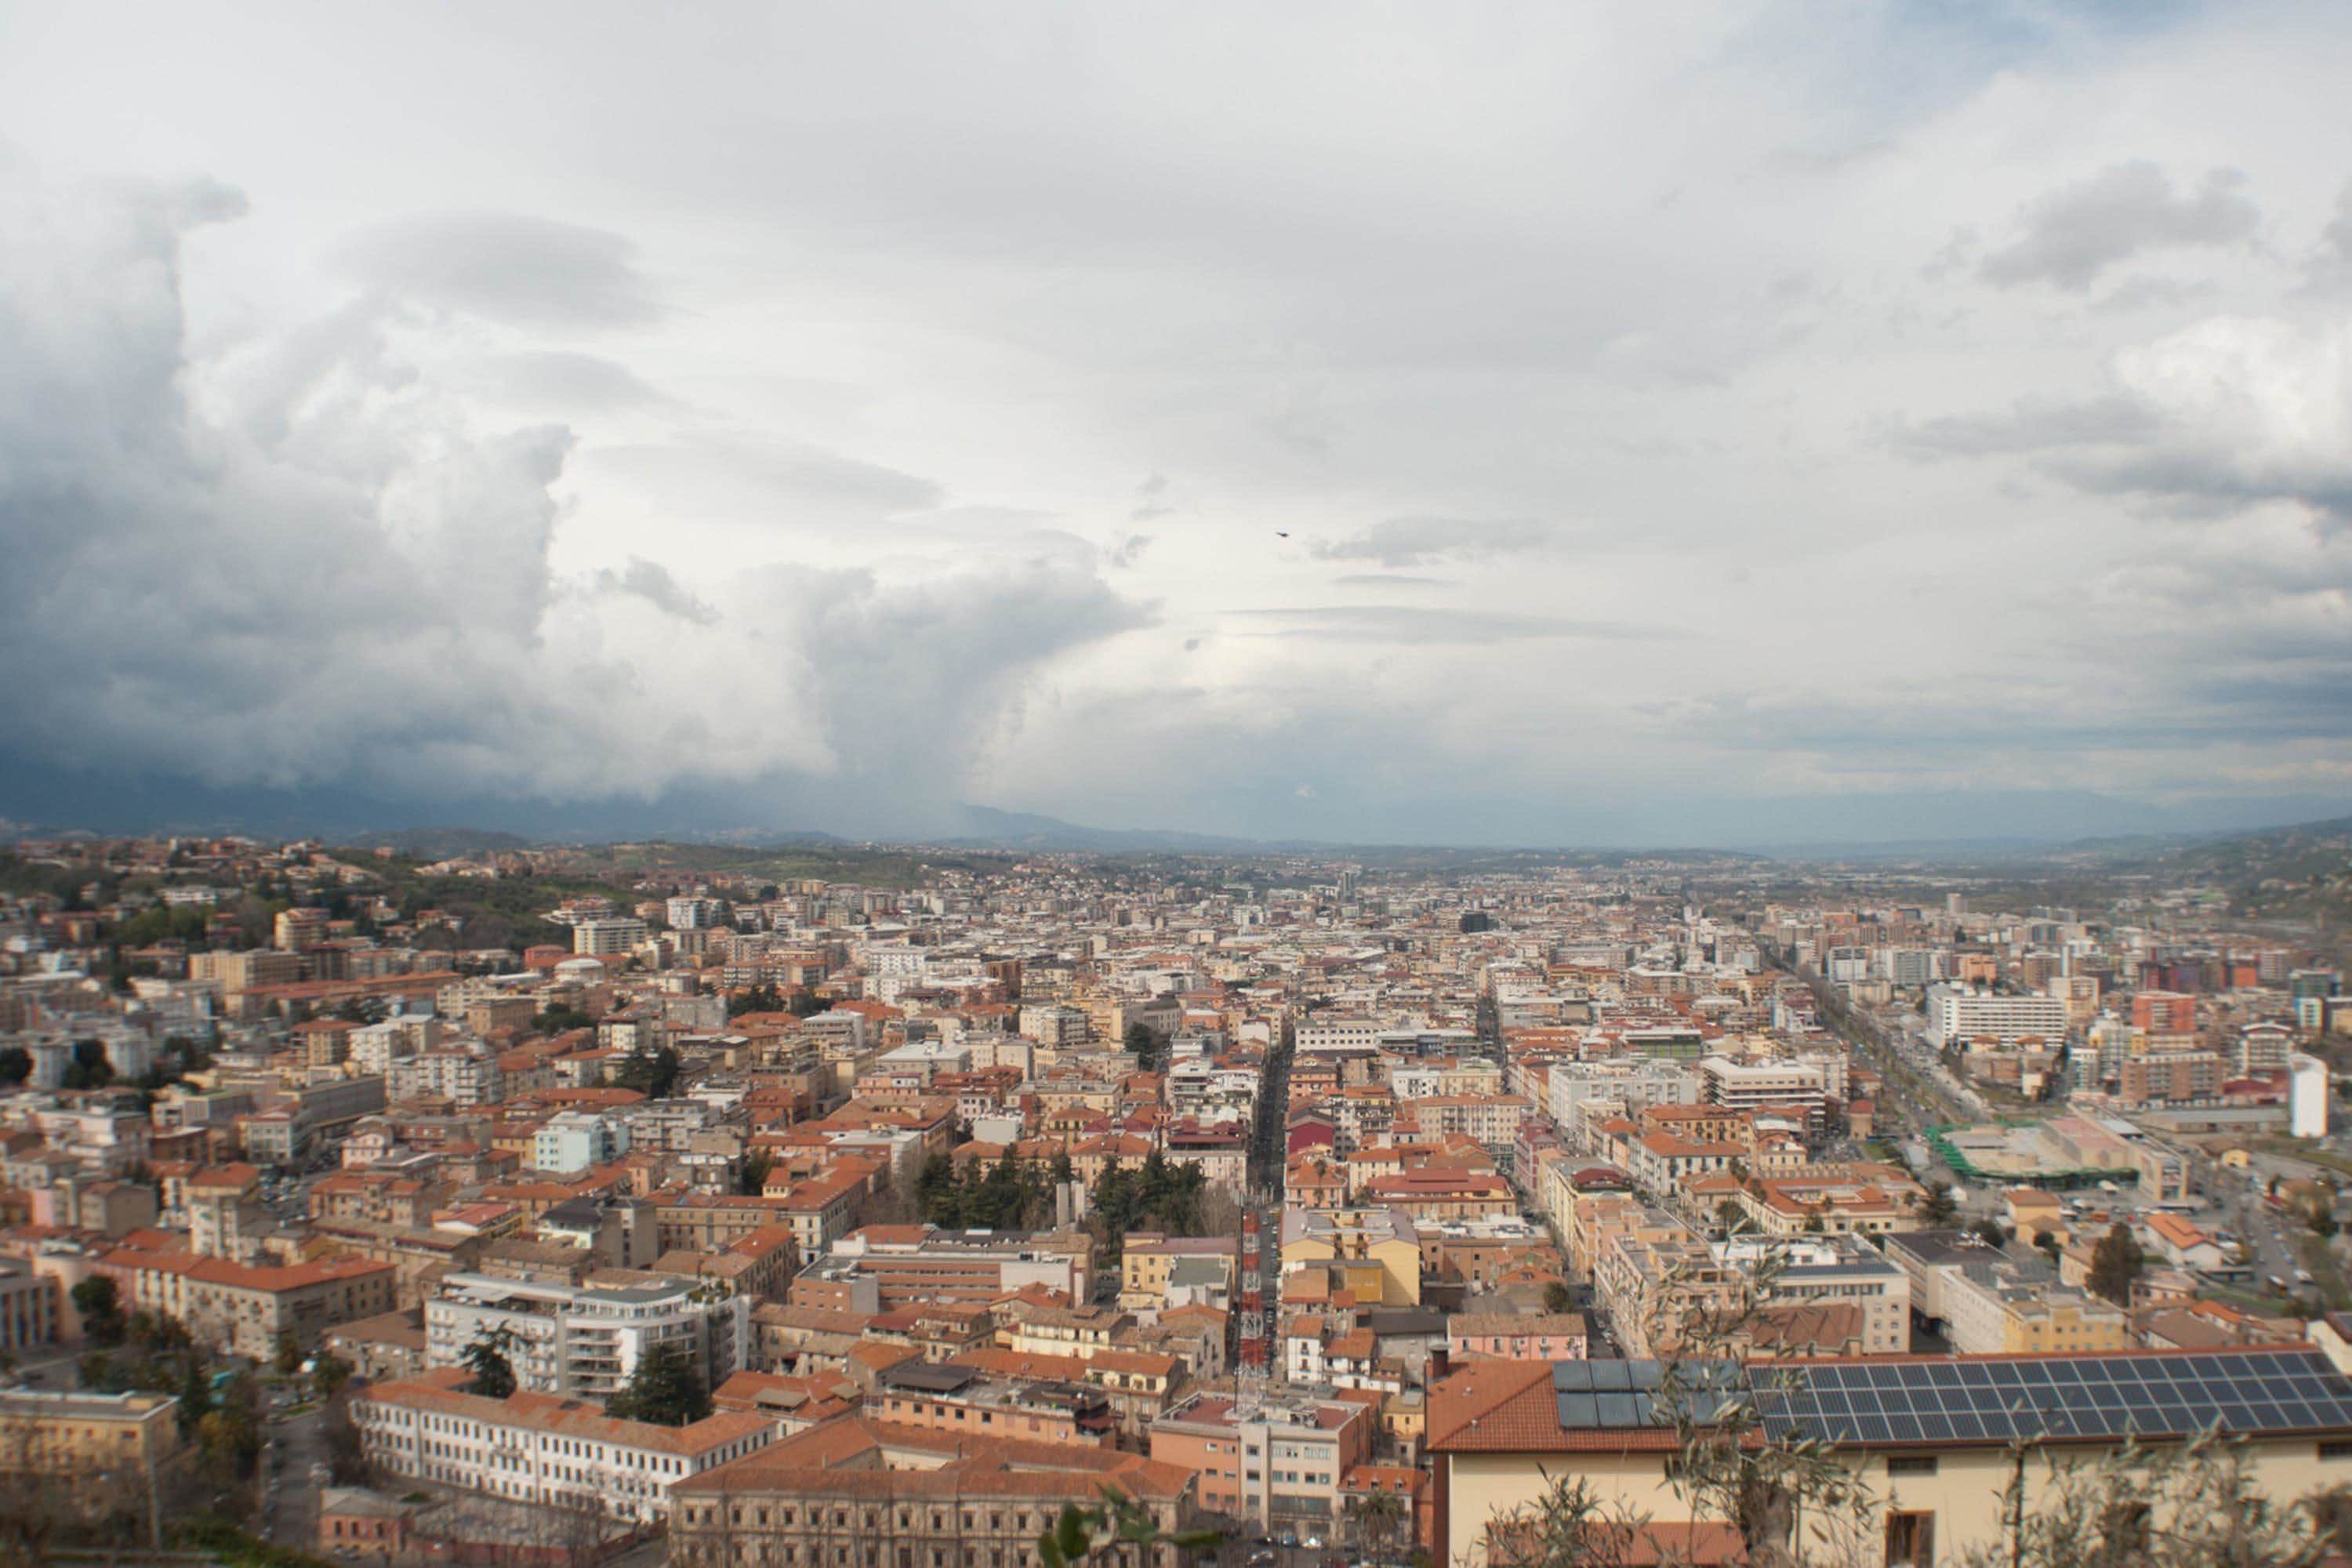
[(1931, 1439), (246, 1309), (860, 1493)]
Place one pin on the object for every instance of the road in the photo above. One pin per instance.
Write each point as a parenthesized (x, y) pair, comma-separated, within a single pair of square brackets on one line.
[(289, 1507)]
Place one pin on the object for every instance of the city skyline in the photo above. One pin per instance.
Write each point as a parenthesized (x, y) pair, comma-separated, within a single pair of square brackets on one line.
[(1525, 428)]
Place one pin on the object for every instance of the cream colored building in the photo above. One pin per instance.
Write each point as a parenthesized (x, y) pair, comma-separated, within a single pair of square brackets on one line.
[(1926, 1438)]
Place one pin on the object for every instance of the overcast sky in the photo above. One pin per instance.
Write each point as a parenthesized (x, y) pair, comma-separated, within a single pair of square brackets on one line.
[(1441, 423)]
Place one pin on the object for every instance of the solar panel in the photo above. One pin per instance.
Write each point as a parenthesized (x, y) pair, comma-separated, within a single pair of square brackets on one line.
[(1611, 1376), (1622, 1410), (1569, 1376), (2073, 1396), (1579, 1411)]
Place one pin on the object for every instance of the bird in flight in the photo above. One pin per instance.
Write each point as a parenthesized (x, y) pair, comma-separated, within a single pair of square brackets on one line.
[(1280, 534)]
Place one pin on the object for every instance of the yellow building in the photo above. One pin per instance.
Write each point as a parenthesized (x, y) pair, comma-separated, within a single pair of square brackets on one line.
[(1148, 1260), (89, 1456), (1929, 1440), (1384, 1238)]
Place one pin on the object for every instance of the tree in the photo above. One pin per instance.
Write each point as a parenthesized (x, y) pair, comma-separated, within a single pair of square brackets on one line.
[(97, 1299), (1119, 1527), (2047, 1240), (288, 1359), (15, 1065), (806, 1004), (756, 999), (486, 1358), (651, 1073), (666, 1389), (1568, 1526), (329, 1373), (561, 1020), (89, 1068), (1376, 1515), (2190, 1505), (1938, 1209), (1991, 1233), (2115, 1262), (752, 1179), (1557, 1298)]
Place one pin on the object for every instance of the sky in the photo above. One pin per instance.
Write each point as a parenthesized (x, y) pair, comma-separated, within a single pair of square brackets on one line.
[(1362, 423)]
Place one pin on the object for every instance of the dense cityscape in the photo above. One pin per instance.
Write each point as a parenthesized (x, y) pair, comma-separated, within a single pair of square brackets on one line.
[(875, 1205), (1033, 784)]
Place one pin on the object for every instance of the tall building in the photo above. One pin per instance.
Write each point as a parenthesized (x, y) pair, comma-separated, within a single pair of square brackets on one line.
[(1956, 1015)]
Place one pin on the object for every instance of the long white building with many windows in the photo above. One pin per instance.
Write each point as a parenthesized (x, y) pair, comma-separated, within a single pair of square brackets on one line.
[(539, 1449)]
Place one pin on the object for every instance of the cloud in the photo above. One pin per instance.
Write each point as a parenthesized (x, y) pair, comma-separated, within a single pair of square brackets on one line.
[(294, 563), (2069, 237), (1151, 506), (652, 583), (507, 267), (1421, 624), (2230, 412), (562, 381), (765, 479), (1426, 541)]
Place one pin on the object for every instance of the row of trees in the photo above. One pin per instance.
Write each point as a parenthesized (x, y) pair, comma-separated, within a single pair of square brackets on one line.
[(1009, 1195)]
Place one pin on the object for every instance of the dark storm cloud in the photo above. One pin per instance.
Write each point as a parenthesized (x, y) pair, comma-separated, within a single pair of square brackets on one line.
[(2069, 237), (528, 271), (340, 578)]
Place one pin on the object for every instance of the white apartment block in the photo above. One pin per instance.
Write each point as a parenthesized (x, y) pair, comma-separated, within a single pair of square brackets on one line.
[(1339, 1035), (1954, 1015), (586, 1341), (1756, 1086)]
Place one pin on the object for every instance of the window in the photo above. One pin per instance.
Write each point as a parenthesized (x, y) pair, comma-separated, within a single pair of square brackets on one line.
[(1911, 1465), (1910, 1540), (2336, 1450)]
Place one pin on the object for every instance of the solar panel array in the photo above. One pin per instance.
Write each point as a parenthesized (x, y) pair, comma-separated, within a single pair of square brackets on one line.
[(2098, 1397), (1613, 1395), (2094, 1397)]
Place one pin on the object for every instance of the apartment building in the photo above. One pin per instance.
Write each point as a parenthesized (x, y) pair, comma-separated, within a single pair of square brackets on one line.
[(1954, 1014), (1272, 1461), (883, 1265), (246, 1309), (30, 1308), (951, 1397), (1826, 1272), (1518, 1336), (540, 1449), (588, 1339), (606, 938), (1385, 1240)]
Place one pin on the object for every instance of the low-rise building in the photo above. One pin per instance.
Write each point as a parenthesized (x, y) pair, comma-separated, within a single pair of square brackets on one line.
[(542, 1449)]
